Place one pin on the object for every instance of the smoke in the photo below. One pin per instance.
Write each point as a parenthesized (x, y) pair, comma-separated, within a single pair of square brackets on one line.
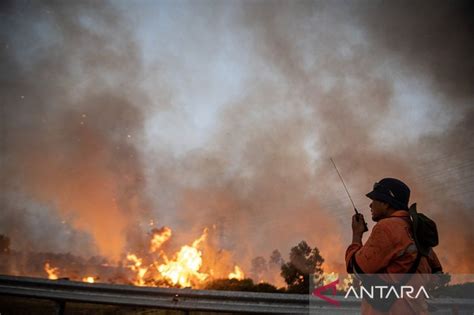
[(71, 123), (432, 40), (433, 43), (231, 118), (30, 223), (326, 82)]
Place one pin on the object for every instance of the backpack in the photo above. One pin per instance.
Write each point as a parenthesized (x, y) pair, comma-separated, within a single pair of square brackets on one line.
[(425, 232)]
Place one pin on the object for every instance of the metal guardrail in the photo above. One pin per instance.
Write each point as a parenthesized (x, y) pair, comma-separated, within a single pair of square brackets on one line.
[(158, 298), (63, 291)]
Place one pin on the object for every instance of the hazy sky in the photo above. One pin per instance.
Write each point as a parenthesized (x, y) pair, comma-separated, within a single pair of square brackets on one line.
[(194, 113)]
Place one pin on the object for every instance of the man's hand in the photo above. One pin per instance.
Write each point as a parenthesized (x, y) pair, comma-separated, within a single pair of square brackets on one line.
[(358, 228)]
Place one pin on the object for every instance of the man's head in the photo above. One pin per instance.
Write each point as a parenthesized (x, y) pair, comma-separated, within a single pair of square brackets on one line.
[(388, 195)]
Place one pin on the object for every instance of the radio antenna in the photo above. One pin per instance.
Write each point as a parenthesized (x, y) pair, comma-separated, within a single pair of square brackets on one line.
[(344, 184), (347, 192)]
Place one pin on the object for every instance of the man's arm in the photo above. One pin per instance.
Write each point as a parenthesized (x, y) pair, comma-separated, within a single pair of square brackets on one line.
[(374, 255)]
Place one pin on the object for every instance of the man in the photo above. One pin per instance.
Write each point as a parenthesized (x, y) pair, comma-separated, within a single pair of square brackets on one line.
[(390, 248)]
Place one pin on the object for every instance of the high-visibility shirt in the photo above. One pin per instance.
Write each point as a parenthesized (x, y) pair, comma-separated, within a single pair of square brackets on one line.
[(391, 249)]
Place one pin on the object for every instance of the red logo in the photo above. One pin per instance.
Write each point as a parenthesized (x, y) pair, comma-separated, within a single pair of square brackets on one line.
[(319, 292)]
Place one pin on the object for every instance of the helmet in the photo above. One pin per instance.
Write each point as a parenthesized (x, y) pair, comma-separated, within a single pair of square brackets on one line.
[(392, 191)]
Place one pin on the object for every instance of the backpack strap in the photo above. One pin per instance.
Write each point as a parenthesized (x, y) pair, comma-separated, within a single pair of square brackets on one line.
[(415, 265)]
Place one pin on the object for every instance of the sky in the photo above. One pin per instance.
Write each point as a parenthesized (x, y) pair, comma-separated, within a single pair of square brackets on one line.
[(226, 113)]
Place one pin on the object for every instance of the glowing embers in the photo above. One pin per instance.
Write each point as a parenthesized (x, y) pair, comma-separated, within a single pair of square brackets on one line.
[(53, 274)]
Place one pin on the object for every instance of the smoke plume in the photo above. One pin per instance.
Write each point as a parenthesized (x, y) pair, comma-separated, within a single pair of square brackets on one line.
[(70, 124), (226, 114)]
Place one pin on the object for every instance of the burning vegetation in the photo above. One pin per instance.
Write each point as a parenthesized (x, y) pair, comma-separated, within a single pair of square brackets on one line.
[(154, 267), (53, 272), (196, 265)]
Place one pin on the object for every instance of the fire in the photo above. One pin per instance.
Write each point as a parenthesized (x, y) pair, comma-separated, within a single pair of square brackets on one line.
[(138, 269), (333, 276), (183, 270), (347, 282), (88, 279), (237, 273), (191, 266), (159, 238), (330, 277), (53, 272)]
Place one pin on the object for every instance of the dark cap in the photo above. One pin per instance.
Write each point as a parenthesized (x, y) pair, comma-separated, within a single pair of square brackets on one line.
[(392, 191)]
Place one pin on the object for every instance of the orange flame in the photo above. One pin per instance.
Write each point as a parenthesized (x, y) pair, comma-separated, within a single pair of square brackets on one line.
[(333, 276), (186, 268), (53, 272), (88, 279), (159, 238), (136, 267), (183, 270), (237, 273), (329, 277)]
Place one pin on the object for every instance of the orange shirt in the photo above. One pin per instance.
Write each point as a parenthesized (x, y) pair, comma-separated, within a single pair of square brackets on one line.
[(389, 249)]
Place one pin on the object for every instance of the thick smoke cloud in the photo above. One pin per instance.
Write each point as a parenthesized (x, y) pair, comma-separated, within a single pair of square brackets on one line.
[(383, 89), (432, 39), (70, 124), (326, 83)]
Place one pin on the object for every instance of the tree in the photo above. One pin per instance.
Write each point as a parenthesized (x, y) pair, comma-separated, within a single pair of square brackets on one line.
[(304, 262), (276, 259), (259, 267)]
